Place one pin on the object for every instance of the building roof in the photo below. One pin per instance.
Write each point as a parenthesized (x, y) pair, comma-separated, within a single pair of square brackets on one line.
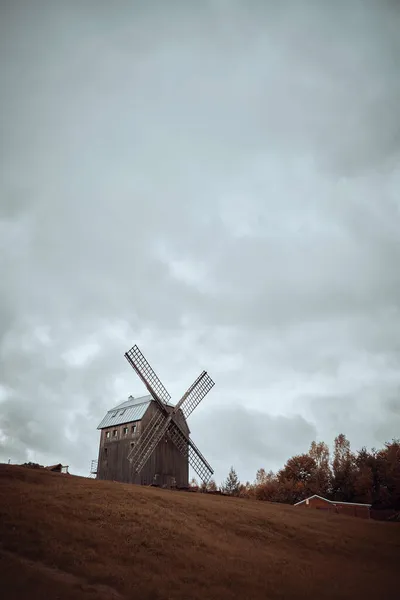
[(132, 409), (334, 502)]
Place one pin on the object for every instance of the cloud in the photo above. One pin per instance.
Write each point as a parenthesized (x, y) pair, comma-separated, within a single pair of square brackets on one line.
[(218, 183), (251, 439)]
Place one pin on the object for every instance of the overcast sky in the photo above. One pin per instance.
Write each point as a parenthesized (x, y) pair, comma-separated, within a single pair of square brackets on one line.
[(217, 181)]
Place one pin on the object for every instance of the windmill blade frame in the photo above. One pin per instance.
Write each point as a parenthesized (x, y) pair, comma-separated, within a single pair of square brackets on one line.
[(147, 374), (195, 394), (148, 441), (188, 448)]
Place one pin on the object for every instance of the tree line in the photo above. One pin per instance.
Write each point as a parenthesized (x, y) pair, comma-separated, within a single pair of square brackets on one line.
[(371, 477)]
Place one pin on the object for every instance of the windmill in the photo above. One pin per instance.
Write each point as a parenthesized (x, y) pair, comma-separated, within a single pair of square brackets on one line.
[(167, 419)]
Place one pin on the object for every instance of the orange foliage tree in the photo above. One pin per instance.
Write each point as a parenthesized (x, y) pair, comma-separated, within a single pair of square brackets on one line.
[(344, 471), (371, 477)]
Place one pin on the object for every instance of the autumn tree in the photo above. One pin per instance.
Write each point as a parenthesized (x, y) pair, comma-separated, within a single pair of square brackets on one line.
[(262, 477), (231, 485), (343, 470), (299, 468), (210, 486), (366, 481), (290, 491), (246, 490), (297, 479), (319, 452), (267, 486), (388, 466), (372, 476)]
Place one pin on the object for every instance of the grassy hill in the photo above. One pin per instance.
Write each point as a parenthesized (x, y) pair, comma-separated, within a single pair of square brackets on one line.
[(65, 538)]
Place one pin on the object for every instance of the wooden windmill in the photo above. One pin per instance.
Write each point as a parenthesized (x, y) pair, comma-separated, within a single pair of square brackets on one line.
[(146, 440), (165, 419)]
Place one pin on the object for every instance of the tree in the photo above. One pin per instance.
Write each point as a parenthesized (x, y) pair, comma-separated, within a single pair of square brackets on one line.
[(388, 466), (364, 485), (265, 486), (262, 477), (372, 476), (319, 451), (290, 491), (367, 481), (343, 470), (301, 469), (269, 490), (231, 485), (247, 490), (210, 486), (297, 479)]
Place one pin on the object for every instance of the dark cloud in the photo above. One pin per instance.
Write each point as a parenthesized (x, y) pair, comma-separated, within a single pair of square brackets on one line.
[(218, 183)]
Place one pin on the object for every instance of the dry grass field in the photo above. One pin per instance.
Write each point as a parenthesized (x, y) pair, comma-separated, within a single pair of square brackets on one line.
[(65, 538)]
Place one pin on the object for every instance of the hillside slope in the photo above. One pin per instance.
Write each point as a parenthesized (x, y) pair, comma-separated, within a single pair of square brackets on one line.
[(74, 538)]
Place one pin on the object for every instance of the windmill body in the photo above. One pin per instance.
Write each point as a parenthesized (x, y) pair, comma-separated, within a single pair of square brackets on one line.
[(146, 440), (121, 429)]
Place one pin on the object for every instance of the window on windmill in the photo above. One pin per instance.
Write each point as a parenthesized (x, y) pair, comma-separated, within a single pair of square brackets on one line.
[(134, 428), (125, 430), (114, 414), (115, 432), (121, 412), (105, 451), (132, 444), (107, 434)]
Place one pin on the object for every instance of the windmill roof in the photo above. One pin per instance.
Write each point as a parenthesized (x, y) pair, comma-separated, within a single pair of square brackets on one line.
[(130, 410)]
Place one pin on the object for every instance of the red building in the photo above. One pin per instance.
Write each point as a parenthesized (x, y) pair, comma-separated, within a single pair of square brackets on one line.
[(352, 509)]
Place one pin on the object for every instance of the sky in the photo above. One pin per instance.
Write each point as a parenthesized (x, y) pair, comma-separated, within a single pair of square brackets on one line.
[(217, 182)]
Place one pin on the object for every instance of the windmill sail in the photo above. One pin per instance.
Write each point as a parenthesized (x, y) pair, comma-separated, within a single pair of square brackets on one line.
[(188, 448), (195, 394), (138, 362), (148, 441)]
